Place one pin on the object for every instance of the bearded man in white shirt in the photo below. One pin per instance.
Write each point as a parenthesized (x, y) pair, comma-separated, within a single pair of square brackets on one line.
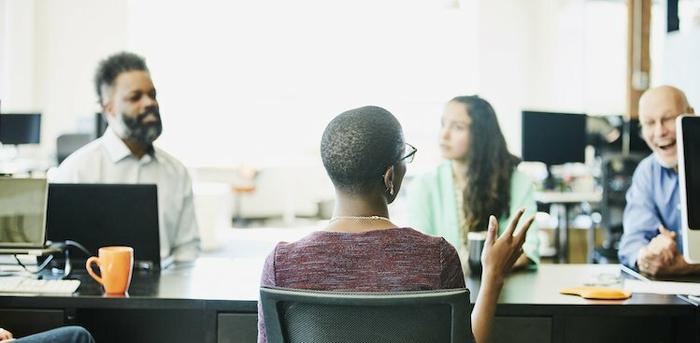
[(125, 153)]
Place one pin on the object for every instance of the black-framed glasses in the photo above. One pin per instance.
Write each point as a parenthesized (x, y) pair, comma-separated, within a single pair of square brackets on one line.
[(410, 153)]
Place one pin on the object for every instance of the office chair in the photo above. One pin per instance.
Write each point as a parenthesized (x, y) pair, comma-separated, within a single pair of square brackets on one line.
[(321, 316), (68, 143)]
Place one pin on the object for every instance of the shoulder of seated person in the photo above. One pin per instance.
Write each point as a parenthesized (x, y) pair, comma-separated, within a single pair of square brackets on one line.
[(80, 159), (166, 157)]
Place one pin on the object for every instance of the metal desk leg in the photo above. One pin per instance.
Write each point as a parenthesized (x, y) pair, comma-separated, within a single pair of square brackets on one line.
[(563, 235), (557, 232), (591, 241)]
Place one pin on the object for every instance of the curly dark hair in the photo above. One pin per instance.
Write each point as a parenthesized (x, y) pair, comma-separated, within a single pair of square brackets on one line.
[(490, 165), (109, 69), (359, 145)]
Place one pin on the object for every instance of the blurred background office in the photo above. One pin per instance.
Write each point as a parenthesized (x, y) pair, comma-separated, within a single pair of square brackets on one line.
[(246, 88)]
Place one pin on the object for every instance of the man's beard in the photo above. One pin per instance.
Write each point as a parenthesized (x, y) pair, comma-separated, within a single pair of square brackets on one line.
[(135, 130)]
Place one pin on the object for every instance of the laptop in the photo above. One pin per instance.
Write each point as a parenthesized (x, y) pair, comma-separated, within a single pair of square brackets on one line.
[(22, 216), (688, 141), (98, 215)]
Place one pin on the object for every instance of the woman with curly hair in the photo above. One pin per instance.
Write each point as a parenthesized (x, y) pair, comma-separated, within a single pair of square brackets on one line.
[(478, 178)]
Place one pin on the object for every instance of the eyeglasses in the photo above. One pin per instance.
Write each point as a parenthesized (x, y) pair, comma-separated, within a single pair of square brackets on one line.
[(667, 123), (410, 153)]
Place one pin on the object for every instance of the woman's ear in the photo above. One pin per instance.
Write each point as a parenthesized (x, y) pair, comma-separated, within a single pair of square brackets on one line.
[(389, 181)]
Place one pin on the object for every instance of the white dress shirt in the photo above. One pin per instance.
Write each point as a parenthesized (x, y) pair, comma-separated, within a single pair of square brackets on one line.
[(109, 160)]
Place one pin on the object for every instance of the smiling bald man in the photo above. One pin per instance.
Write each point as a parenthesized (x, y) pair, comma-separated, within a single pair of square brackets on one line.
[(652, 220)]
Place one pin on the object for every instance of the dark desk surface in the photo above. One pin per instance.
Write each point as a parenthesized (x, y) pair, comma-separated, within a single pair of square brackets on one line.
[(538, 292), (209, 283), (232, 285), (217, 298)]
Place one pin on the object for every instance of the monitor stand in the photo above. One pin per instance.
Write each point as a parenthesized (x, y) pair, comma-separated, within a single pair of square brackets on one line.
[(549, 182)]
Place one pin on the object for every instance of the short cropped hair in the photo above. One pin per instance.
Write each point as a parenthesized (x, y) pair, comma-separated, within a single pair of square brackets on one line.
[(109, 69), (358, 145)]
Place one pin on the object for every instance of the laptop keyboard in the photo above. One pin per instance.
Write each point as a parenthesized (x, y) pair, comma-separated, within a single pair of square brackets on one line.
[(22, 285)]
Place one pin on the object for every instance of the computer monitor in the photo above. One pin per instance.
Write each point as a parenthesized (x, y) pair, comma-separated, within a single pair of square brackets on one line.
[(553, 138), (20, 128), (22, 215), (98, 215), (688, 141)]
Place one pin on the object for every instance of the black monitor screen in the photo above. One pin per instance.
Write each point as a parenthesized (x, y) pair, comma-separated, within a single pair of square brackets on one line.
[(18, 128), (691, 158), (98, 215), (553, 138)]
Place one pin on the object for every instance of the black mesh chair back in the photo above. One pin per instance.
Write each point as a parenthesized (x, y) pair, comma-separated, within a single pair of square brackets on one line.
[(435, 316), (66, 144)]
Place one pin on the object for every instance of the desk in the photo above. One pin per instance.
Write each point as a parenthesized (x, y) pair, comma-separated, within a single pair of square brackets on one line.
[(214, 300), (566, 200), (211, 300), (531, 309)]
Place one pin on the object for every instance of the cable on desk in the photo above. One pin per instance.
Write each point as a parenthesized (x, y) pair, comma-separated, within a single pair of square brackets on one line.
[(39, 268), (68, 243), (63, 246)]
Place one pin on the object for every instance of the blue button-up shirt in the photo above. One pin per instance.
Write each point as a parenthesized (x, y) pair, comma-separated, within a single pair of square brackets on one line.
[(652, 200)]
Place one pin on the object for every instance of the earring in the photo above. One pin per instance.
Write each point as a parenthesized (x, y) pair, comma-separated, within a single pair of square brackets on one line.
[(391, 189)]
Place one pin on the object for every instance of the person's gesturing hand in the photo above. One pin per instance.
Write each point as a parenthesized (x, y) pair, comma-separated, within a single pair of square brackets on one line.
[(501, 252)]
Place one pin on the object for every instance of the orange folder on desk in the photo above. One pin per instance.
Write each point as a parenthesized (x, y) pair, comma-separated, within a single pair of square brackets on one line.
[(597, 293)]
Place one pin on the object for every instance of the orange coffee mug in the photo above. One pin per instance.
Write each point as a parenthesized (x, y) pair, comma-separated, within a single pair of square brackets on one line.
[(116, 264)]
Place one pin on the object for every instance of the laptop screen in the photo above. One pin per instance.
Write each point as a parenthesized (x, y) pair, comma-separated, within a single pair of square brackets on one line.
[(98, 215), (22, 213)]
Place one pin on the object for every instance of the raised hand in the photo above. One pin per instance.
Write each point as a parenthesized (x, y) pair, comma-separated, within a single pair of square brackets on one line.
[(500, 253)]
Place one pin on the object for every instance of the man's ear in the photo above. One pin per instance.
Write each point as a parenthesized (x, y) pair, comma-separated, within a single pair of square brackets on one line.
[(107, 101), (691, 110), (108, 109)]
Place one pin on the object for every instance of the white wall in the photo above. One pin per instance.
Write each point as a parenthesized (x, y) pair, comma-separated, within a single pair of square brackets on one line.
[(50, 52), (557, 55), (18, 55), (263, 79), (71, 37), (3, 48), (681, 54), (581, 57), (506, 50), (681, 67), (256, 82)]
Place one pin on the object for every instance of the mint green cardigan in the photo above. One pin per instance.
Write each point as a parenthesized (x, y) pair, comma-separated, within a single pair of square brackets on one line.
[(433, 207)]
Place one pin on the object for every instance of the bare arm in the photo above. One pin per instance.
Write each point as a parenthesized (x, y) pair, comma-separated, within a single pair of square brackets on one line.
[(497, 259)]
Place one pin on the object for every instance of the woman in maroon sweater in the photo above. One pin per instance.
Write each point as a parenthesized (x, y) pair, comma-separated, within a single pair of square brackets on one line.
[(361, 249)]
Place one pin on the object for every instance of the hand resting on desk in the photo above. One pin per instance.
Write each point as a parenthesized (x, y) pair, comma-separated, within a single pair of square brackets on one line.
[(5, 336), (661, 257)]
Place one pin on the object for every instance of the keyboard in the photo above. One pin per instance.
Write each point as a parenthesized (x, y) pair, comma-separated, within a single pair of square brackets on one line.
[(23, 285)]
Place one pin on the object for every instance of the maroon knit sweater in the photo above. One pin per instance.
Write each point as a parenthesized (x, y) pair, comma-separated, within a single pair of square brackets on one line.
[(399, 259)]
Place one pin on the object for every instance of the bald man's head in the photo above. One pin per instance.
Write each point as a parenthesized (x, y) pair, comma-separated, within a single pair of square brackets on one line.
[(658, 109)]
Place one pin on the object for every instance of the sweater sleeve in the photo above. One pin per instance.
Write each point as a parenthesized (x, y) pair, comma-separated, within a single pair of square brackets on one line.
[(451, 275)]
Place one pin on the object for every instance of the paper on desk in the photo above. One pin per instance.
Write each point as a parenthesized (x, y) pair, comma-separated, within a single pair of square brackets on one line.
[(662, 287)]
